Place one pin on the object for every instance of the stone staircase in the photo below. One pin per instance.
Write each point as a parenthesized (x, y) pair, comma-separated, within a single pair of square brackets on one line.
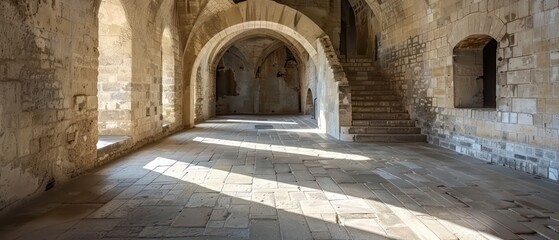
[(378, 114)]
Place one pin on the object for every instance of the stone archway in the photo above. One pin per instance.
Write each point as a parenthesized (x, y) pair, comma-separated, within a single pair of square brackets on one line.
[(474, 28), (478, 23), (297, 29)]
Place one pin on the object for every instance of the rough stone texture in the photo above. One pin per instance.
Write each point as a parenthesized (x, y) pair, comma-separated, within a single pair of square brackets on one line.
[(223, 25), (49, 63), (69, 72), (222, 181), (417, 55), (258, 76)]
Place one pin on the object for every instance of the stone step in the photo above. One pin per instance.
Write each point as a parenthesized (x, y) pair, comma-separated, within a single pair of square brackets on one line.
[(378, 109), (364, 73), (376, 104), (368, 82), (384, 130), (370, 87), (380, 116), (361, 75), (390, 138), (384, 123), (360, 69), (372, 93), (362, 58), (357, 64), (374, 98)]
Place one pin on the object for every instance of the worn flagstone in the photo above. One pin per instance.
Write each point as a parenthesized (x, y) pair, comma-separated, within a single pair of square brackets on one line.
[(232, 181)]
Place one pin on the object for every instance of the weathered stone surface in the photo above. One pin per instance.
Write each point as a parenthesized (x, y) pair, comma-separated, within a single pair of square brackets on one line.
[(412, 191), (71, 71), (193, 218)]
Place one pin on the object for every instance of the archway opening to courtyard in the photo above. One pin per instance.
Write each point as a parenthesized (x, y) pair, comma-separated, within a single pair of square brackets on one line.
[(114, 83), (168, 78), (475, 72)]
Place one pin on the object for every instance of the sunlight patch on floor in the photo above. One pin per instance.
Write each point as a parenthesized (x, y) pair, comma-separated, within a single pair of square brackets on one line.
[(283, 149)]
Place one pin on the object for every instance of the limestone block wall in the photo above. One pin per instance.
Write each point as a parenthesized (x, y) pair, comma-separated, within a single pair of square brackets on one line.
[(148, 22), (325, 13), (522, 132), (48, 103), (49, 69), (258, 76)]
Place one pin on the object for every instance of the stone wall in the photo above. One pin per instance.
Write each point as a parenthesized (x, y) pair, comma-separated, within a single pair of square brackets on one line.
[(48, 88), (325, 13), (258, 76), (417, 55)]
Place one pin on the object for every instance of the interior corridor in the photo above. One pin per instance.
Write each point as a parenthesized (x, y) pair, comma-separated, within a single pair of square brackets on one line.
[(276, 177)]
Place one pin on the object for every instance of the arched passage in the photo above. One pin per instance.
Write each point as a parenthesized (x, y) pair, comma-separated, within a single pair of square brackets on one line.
[(271, 18), (205, 78), (114, 81), (258, 75), (168, 77)]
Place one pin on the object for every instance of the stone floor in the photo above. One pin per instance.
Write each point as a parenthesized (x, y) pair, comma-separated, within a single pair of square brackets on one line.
[(275, 178)]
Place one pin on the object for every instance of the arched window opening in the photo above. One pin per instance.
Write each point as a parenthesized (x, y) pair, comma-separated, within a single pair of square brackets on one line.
[(475, 72), (114, 81), (168, 78)]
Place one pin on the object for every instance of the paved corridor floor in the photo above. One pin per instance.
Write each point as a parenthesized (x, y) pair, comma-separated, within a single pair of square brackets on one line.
[(264, 177)]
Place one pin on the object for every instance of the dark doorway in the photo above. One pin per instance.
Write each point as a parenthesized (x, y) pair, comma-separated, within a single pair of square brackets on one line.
[(490, 74), (475, 72), (348, 38)]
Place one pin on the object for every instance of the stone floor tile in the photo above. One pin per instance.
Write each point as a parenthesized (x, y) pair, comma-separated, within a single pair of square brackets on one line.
[(151, 216), (228, 232), (316, 206), (321, 235), (293, 226), (95, 225), (290, 189), (184, 232), (193, 218), (365, 229), (238, 216), (153, 232), (263, 206), (351, 206), (265, 229), (79, 235), (124, 232), (331, 189), (202, 200)]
